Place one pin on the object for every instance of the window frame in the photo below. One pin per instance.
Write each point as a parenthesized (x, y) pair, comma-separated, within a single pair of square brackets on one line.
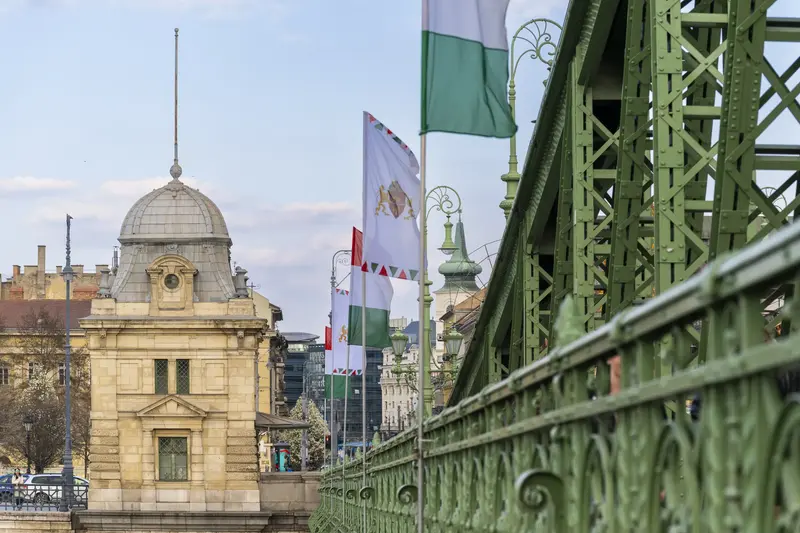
[(185, 435), (5, 375), (165, 389), (178, 382)]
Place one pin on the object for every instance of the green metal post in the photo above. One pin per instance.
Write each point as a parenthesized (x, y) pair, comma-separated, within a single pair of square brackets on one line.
[(536, 36), (425, 351)]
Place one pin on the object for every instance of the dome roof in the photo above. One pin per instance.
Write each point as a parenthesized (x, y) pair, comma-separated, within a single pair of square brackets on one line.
[(175, 212)]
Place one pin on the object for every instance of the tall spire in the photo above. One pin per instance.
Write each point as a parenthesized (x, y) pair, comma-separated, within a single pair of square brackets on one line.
[(175, 171)]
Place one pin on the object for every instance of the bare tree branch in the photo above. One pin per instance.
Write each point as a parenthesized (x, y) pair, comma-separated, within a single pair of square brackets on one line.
[(38, 392)]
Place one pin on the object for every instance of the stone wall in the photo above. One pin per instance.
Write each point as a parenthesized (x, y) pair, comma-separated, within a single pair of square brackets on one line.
[(290, 491), (34, 522), (152, 522)]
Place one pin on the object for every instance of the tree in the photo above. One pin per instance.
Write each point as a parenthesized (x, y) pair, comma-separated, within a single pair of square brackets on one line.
[(37, 354), (315, 437)]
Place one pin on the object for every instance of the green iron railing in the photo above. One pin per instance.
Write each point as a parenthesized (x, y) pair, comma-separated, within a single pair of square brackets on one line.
[(550, 449)]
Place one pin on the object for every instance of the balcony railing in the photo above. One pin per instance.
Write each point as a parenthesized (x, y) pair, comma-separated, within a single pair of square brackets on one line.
[(554, 448)]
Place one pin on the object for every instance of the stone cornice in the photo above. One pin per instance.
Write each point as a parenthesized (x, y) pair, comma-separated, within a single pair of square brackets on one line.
[(161, 323), (174, 521)]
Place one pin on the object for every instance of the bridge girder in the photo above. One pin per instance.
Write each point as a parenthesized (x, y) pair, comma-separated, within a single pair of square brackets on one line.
[(652, 122)]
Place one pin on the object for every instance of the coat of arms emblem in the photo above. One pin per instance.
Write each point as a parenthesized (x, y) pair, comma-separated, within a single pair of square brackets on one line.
[(343, 334), (394, 201)]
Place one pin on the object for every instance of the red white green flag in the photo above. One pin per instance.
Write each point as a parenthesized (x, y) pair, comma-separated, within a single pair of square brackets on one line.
[(375, 304)]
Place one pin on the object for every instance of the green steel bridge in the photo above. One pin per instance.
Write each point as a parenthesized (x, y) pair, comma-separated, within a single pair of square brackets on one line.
[(650, 224)]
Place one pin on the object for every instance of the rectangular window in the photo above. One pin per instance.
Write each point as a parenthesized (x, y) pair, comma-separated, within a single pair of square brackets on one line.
[(173, 459), (5, 378), (182, 376), (62, 374), (162, 376)]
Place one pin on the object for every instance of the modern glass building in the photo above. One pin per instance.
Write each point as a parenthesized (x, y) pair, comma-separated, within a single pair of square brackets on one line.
[(354, 402), (298, 345)]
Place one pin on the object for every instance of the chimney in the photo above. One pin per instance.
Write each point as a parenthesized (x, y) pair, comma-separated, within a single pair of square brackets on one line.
[(58, 269), (98, 272), (40, 272), (77, 269), (15, 273)]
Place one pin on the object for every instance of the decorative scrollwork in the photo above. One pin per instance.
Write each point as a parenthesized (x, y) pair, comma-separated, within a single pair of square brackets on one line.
[(537, 36), (407, 494), (537, 488), (440, 198), (351, 494), (366, 493), (339, 492)]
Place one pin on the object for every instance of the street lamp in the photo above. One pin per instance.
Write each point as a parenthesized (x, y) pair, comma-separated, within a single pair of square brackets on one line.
[(67, 472), (447, 201), (27, 421), (399, 343), (536, 36), (452, 343)]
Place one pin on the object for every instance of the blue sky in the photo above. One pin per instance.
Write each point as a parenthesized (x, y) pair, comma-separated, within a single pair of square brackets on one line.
[(271, 98), (271, 95)]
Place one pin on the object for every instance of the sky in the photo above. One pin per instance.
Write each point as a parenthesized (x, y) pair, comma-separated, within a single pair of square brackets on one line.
[(271, 100)]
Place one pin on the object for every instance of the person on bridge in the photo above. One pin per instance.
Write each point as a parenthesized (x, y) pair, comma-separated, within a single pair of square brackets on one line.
[(18, 484)]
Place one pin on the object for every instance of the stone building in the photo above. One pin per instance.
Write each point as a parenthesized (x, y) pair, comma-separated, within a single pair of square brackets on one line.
[(398, 382), (17, 325), (173, 340), (34, 282)]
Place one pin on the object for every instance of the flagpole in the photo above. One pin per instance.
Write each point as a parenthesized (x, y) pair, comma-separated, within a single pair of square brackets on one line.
[(364, 326), (330, 379), (364, 393), (334, 436), (344, 428), (421, 331)]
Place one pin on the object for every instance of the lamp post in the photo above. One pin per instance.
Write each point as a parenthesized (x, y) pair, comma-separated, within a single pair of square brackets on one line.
[(447, 201), (67, 472), (535, 35), (452, 342), (27, 421), (340, 257)]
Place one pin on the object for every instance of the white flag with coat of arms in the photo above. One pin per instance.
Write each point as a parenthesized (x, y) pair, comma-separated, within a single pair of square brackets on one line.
[(391, 204)]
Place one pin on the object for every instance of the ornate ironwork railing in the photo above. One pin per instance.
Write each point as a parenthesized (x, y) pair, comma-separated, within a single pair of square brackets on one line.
[(556, 448)]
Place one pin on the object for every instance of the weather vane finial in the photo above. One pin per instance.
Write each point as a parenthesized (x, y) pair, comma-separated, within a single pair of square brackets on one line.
[(175, 171)]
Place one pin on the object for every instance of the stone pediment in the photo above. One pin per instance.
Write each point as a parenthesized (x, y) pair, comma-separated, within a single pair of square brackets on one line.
[(173, 407)]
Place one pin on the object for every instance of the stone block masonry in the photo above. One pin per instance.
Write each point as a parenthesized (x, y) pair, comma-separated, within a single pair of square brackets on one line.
[(153, 522)]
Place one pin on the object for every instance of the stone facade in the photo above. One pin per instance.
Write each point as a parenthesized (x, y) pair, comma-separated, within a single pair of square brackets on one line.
[(34, 522), (154, 522), (398, 391), (174, 357), (34, 282)]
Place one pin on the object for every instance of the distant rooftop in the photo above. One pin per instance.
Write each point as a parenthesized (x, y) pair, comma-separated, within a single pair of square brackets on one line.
[(13, 314)]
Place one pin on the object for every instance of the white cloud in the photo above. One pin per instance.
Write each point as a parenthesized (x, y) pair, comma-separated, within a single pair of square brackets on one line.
[(30, 183)]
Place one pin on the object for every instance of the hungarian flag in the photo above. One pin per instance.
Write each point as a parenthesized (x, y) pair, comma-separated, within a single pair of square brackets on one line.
[(374, 304), (336, 364), (465, 68), (391, 204)]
